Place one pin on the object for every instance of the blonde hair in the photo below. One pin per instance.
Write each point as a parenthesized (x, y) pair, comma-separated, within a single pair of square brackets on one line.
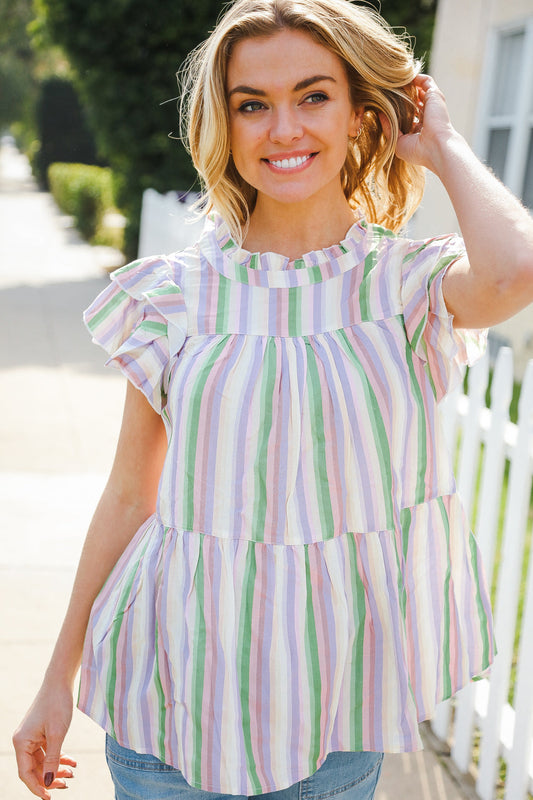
[(380, 67)]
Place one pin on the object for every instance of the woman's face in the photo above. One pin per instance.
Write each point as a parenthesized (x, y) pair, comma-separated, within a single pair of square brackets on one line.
[(290, 116)]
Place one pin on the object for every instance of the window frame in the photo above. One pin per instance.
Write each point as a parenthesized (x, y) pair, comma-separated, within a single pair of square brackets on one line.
[(520, 121)]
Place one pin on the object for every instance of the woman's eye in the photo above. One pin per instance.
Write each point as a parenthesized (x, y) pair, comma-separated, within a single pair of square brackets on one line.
[(251, 105), (316, 97)]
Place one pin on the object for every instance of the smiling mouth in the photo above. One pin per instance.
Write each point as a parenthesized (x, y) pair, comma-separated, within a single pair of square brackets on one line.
[(290, 163)]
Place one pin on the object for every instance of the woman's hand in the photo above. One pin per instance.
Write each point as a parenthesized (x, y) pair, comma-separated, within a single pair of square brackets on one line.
[(431, 129), (38, 740), (495, 280)]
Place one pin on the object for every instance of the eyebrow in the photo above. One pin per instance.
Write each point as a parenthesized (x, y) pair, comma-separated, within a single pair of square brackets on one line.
[(299, 86)]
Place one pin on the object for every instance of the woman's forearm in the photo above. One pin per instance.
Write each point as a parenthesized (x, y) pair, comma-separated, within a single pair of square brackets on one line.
[(114, 523), (497, 230), (127, 501)]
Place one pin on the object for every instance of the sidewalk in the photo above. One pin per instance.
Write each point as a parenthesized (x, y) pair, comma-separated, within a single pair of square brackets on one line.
[(60, 417)]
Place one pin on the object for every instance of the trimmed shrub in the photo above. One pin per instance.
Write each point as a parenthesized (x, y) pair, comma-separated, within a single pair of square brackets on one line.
[(62, 129), (84, 192)]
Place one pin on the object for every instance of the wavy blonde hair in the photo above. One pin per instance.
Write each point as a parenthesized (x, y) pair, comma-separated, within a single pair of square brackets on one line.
[(380, 67)]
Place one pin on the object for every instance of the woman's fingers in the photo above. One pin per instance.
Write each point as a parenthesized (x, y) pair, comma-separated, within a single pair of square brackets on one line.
[(64, 759), (39, 768), (51, 761), (29, 761)]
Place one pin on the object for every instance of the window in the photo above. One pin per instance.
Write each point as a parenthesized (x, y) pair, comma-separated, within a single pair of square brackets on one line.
[(506, 131)]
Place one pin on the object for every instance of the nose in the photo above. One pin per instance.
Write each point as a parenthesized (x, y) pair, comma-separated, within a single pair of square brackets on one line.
[(286, 126)]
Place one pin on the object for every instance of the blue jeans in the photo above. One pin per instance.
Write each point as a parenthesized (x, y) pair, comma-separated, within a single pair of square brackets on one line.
[(348, 776)]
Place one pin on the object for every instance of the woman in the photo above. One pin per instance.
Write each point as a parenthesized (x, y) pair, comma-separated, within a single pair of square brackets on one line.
[(307, 589)]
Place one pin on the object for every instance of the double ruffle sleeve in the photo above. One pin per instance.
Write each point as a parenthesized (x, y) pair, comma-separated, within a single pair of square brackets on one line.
[(140, 320)]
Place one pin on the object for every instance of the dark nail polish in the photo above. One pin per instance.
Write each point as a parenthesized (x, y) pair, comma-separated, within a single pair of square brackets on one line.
[(48, 778)]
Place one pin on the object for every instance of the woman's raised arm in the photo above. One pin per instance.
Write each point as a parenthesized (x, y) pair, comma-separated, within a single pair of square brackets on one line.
[(495, 281), (127, 501)]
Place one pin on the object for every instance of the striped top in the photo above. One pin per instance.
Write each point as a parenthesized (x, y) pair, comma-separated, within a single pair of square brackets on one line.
[(308, 582)]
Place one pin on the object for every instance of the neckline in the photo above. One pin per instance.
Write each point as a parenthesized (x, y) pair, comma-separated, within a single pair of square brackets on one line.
[(276, 270)]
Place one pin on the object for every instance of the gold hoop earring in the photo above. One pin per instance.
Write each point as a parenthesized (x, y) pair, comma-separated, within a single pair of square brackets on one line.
[(357, 135)]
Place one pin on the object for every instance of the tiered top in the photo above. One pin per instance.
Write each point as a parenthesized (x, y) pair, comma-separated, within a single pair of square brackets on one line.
[(308, 536)]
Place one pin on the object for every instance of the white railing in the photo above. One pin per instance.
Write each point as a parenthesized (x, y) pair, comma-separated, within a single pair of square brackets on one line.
[(167, 223), (495, 467)]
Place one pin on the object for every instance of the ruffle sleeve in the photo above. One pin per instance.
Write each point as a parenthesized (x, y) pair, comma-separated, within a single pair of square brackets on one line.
[(140, 320), (445, 350)]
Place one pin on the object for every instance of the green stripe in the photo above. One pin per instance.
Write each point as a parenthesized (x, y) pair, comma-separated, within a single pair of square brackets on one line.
[(483, 619), (421, 434), (299, 263), (243, 661), (130, 266), (378, 428), (446, 666), (405, 523), (159, 328), (222, 304), (157, 680), (364, 304), (316, 416), (268, 382), (114, 637), (442, 263), (413, 254), (192, 427), (315, 274), (198, 670), (241, 272), (294, 314), (313, 669), (357, 668), (379, 231), (160, 697), (415, 339), (161, 291), (109, 307)]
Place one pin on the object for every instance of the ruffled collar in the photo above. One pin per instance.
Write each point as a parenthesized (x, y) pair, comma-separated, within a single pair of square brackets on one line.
[(274, 269)]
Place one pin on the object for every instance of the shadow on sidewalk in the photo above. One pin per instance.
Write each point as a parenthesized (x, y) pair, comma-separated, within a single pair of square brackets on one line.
[(42, 325)]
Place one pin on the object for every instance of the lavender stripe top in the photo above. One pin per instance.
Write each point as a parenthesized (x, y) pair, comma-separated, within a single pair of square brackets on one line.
[(308, 582)]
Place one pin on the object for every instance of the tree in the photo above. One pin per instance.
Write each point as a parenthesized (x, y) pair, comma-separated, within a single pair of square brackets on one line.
[(61, 127), (416, 16), (125, 54), (17, 84)]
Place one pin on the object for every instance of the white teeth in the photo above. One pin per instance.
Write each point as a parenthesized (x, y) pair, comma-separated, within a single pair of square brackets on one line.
[(290, 163)]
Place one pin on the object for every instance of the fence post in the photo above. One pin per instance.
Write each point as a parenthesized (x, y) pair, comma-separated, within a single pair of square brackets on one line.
[(517, 778), (466, 478), (486, 524), (507, 598)]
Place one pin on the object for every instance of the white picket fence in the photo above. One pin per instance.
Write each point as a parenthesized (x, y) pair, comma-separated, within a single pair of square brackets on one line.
[(167, 223), (480, 718)]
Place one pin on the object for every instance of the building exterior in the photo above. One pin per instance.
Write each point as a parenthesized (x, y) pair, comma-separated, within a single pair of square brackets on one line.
[(482, 58)]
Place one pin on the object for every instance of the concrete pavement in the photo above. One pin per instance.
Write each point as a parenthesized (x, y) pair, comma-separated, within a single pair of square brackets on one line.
[(58, 427)]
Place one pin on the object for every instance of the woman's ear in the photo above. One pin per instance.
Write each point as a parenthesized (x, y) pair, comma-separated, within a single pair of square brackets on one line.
[(356, 121), (385, 124)]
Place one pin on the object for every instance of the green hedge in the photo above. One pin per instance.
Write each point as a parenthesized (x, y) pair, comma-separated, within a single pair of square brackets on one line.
[(62, 129), (84, 192)]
